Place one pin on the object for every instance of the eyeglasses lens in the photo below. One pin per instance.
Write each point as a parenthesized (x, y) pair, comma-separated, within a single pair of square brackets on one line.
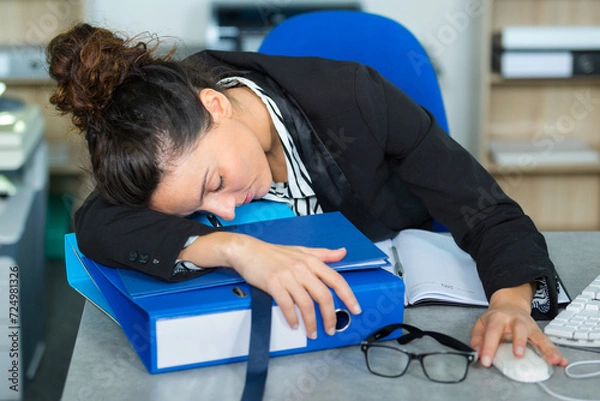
[(386, 361), (445, 368)]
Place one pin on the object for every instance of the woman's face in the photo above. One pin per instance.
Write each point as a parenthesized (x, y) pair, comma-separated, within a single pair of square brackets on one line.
[(227, 168)]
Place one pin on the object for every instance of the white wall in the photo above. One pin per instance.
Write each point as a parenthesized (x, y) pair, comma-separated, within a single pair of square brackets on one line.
[(449, 29)]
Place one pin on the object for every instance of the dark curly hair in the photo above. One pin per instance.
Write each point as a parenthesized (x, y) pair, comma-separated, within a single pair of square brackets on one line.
[(139, 112)]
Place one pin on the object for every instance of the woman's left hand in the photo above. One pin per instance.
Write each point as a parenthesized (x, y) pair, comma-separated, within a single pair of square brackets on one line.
[(509, 316)]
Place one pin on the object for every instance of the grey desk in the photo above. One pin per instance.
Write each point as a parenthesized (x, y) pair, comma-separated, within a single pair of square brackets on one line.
[(105, 367)]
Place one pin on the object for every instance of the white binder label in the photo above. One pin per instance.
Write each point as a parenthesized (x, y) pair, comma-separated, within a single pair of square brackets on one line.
[(218, 336)]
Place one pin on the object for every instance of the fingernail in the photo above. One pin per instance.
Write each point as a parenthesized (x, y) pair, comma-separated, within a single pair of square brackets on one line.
[(313, 335), (295, 327), (486, 361), (331, 331), (520, 351), (357, 309)]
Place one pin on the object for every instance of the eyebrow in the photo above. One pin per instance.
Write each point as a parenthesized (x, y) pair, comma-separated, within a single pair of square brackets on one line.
[(203, 187)]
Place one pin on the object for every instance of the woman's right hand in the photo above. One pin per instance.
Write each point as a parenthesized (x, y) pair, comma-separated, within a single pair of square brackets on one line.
[(292, 275)]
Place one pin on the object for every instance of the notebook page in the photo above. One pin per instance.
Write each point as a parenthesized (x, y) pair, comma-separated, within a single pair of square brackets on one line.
[(435, 268)]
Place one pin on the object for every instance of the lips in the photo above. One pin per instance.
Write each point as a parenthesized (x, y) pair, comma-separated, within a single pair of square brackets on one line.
[(249, 197)]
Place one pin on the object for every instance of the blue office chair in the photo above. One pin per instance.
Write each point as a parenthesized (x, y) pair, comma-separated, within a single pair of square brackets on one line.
[(370, 39)]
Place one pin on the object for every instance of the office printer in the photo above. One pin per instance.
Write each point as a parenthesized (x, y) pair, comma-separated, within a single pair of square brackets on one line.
[(23, 198), (241, 26)]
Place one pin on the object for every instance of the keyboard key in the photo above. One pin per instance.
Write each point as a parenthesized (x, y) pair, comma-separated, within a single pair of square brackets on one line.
[(576, 306), (593, 306), (559, 331), (580, 335), (593, 292), (564, 315), (584, 298)]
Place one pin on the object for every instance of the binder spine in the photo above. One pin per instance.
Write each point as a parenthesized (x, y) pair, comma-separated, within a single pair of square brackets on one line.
[(551, 38), (134, 321), (546, 51), (536, 64), (586, 63), (546, 64), (380, 294)]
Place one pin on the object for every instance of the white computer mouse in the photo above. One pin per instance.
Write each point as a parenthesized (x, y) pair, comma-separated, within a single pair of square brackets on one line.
[(531, 368)]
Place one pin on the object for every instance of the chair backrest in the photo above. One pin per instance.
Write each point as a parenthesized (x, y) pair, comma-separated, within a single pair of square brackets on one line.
[(370, 39)]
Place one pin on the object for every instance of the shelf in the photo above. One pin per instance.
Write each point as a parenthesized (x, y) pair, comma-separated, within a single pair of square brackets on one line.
[(28, 82), (557, 196), (66, 170), (498, 80), (556, 169)]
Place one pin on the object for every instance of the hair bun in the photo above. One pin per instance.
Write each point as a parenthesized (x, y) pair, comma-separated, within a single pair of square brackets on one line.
[(88, 63)]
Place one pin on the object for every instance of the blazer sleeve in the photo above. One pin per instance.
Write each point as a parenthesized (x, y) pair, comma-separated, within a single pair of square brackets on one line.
[(455, 188), (134, 238)]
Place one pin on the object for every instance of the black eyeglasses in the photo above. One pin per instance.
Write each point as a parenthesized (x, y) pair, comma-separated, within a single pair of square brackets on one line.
[(441, 367)]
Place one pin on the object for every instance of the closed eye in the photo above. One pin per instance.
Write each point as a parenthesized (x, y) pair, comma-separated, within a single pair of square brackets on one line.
[(221, 184)]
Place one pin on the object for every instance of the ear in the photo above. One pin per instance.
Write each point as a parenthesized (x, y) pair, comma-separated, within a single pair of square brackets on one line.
[(217, 104)]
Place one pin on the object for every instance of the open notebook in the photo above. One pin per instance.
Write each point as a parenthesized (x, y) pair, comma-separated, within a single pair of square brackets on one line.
[(436, 270)]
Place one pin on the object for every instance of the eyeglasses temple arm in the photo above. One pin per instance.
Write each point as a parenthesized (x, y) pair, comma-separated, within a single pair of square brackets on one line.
[(389, 329), (439, 337)]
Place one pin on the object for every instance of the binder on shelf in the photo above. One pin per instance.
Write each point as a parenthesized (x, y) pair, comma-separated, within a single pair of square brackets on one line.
[(536, 65), (174, 327), (546, 64), (568, 37)]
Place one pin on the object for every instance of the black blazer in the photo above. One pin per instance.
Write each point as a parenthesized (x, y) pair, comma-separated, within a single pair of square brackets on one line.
[(372, 153)]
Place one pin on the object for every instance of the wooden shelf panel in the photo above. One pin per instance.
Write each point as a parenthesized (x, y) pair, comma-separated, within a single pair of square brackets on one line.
[(497, 80), (29, 83), (544, 114), (35, 22), (556, 202), (553, 170), (544, 12)]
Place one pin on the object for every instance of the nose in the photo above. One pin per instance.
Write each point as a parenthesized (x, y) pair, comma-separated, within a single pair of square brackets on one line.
[(223, 206)]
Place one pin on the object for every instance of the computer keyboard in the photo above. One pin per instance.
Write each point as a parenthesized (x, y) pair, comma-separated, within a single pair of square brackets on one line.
[(579, 324)]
